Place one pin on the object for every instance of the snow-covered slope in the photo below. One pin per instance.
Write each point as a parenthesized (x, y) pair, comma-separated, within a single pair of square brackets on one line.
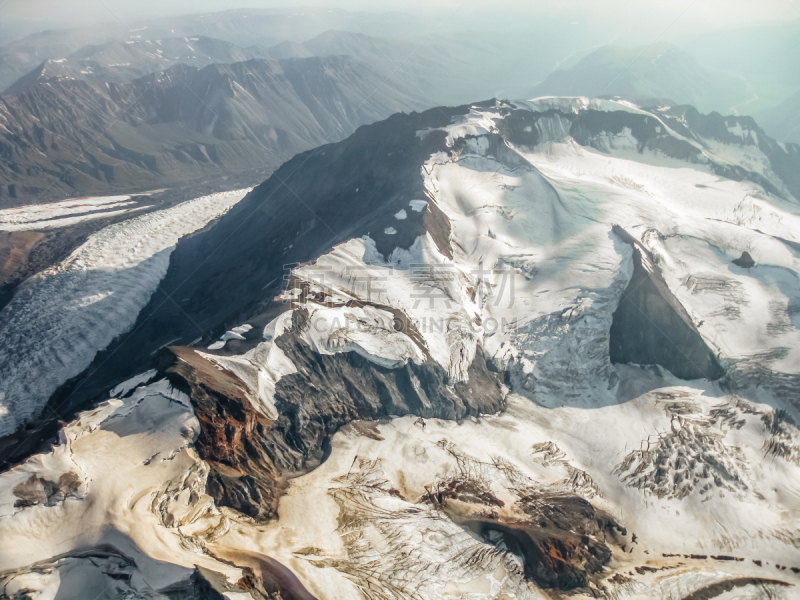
[(563, 357)]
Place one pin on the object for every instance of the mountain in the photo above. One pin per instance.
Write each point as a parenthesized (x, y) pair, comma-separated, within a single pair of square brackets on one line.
[(783, 121), (447, 68), (123, 62), (19, 57), (765, 57), (98, 82), (658, 71), (242, 27), (86, 137), (529, 349)]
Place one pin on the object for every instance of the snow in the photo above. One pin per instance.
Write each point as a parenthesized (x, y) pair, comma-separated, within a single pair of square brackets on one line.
[(390, 231), (128, 385), (565, 208), (125, 449), (260, 368), (62, 214), (577, 104), (368, 331), (737, 130), (124, 454), (234, 334), (59, 319), (401, 215), (418, 205)]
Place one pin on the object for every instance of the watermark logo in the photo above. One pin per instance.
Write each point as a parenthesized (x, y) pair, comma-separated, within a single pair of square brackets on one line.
[(432, 284)]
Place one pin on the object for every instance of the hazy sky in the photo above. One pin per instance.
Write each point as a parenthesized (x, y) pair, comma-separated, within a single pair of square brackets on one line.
[(648, 17)]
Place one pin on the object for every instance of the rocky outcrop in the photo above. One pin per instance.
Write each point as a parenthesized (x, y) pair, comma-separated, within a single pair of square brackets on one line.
[(745, 261), (561, 553), (37, 490), (651, 326), (251, 455), (560, 537)]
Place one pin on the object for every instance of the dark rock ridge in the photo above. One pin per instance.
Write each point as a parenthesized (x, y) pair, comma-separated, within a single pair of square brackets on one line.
[(717, 589), (228, 274), (251, 455), (651, 326), (562, 554)]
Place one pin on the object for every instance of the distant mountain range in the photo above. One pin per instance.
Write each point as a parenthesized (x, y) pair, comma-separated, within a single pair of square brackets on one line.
[(72, 137), (783, 121), (659, 71), (767, 58), (243, 27), (127, 115), (123, 61)]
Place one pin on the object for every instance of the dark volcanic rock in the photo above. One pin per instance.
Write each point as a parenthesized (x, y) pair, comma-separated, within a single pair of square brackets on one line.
[(650, 325), (745, 261), (37, 490), (561, 538), (556, 558), (250, 453)]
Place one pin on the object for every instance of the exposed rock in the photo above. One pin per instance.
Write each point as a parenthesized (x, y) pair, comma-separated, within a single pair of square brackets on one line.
[(354, 191), (561, 538), (37, 490), (651, 326), (745, 261), (251, 454)]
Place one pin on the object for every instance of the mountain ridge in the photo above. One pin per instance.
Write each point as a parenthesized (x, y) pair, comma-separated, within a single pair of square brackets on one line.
[(660, 70), (152, 132)]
